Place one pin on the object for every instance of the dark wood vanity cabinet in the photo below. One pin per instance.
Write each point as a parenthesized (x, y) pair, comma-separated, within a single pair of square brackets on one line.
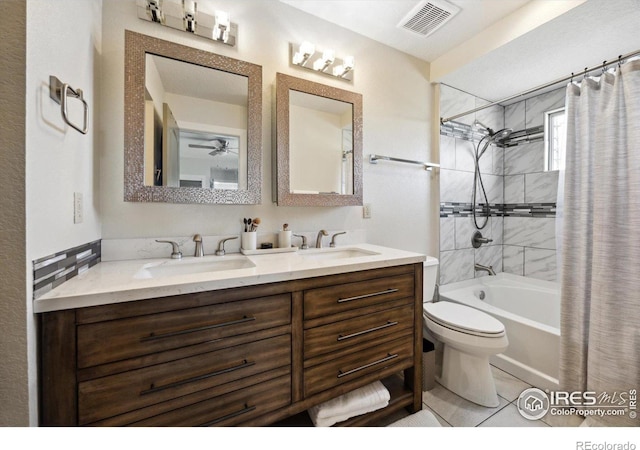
[(257, 355)]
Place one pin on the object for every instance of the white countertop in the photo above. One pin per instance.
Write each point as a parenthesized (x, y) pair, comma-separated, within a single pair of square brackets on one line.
[(123, 281)]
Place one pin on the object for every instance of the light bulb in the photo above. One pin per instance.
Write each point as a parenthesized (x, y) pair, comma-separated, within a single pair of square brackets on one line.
[(307, 48), (349, 62)]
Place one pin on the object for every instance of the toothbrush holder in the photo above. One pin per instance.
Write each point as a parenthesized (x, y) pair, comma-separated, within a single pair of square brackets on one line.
[(249, 240)]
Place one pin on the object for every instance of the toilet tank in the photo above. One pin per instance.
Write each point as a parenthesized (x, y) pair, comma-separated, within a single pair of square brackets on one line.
[(430, 275)]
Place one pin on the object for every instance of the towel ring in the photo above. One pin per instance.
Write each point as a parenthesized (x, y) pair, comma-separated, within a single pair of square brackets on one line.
[(60, 92)]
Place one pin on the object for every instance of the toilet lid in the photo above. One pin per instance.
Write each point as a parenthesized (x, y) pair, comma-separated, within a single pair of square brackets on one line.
[(463, 318)]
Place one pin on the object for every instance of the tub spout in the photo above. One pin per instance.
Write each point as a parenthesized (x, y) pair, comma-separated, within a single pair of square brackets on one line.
[(488, 269)]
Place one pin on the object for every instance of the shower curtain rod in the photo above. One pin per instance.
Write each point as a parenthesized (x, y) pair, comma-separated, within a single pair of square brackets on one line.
[(537, 88)]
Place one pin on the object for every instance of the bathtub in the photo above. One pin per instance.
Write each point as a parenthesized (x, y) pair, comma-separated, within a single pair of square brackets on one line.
[(530, 312)]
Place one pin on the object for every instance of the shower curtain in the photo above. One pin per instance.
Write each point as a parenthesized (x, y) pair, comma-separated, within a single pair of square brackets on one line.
[(600, 270)]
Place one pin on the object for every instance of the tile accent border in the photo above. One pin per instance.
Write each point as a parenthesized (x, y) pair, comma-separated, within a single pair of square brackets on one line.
[(529, 210), (453, 209), (460, 131), (53, 270)]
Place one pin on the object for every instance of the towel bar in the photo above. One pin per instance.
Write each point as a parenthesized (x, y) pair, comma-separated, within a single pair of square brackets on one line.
[(59, 92), (373, 159)]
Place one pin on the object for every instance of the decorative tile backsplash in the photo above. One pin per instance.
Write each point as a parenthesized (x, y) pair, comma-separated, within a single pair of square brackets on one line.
[(53, 270)]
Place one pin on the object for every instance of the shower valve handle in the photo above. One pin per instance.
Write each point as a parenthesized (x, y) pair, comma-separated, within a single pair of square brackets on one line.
[(477, 240)]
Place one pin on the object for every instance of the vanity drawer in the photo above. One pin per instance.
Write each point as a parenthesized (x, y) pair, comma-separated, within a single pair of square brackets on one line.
[(116, 394), (344, 297), (393, 355), (343, 334), (104, 342), (230, 409)]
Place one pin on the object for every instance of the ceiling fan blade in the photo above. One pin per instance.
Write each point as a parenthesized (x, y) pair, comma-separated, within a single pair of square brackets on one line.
[(212, 147), (221, 152)]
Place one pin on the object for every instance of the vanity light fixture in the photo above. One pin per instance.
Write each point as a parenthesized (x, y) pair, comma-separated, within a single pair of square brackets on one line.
[(155, 11), (305, 51), (347, 66), (190, 16), (325, 61), (306, 56), (221, 27), (184, 15)]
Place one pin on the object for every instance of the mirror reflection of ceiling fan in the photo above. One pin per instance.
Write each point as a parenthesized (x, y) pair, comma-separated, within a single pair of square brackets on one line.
[(219, 146)]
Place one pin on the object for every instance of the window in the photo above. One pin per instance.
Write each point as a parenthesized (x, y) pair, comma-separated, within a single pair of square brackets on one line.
[(555, 139)]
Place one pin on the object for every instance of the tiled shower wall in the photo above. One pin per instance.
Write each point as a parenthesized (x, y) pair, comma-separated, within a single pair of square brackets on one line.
[(521, 194), (530, 239), (457, 255)]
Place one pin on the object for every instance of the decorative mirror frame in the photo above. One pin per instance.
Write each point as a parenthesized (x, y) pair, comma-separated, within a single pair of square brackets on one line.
[(136, 47), (285, 83)]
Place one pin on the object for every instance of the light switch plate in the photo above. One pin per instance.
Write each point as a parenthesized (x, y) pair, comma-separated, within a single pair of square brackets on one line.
[(366, 211), (78, 207)]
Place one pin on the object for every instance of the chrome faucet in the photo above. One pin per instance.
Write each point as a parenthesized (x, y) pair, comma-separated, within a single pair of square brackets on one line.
[(220, 251), (304, 245), (175, 249), (199, 249), (488, 269), (333, 238), (319, 238)]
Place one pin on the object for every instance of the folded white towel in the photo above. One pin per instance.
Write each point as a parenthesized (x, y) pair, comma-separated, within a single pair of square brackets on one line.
[(360, 401)]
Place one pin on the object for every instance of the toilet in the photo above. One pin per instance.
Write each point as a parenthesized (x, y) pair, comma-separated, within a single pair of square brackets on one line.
[(467, 339)]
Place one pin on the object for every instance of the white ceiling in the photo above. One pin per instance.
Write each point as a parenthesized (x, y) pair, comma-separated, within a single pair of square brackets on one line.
[(379, 19), (191, 80), (585, 36)]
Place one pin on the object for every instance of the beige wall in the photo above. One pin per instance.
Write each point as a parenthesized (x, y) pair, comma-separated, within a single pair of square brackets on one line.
[(397, 114), (14, 387), (48, 163), (82, 42)]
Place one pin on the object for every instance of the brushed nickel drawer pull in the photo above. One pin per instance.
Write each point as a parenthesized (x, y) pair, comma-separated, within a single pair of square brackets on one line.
[(153, 337), (360, 333), (245, 410), (153, 389), (359, 297), (366, 366)]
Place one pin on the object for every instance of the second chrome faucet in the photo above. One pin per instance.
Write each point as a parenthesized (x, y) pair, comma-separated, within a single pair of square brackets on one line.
[(199, 248), (321, 233)]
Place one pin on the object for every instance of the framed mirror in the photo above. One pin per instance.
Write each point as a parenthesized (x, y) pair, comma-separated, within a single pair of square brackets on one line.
[(319, 144), (193, 125)]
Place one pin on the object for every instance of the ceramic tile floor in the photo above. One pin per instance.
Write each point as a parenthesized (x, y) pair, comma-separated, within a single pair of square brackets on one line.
[(454, 411)]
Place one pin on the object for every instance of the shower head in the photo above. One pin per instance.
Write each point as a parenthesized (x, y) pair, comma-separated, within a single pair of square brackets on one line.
[(501, 135), (495, 137)]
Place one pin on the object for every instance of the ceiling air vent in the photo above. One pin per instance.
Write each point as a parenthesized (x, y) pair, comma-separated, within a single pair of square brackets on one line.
[(428, 16)]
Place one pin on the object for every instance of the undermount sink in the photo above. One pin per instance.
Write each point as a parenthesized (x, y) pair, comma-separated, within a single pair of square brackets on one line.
[(194, 265), (324, 254)]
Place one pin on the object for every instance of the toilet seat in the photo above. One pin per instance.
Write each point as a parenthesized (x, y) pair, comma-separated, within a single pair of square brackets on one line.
[(463, 319)]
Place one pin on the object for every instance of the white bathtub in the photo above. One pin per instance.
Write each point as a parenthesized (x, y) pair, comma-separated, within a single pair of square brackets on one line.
[(530, 312)]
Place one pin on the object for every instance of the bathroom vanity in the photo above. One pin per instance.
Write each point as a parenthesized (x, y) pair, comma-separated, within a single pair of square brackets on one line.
[(254, 345)]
